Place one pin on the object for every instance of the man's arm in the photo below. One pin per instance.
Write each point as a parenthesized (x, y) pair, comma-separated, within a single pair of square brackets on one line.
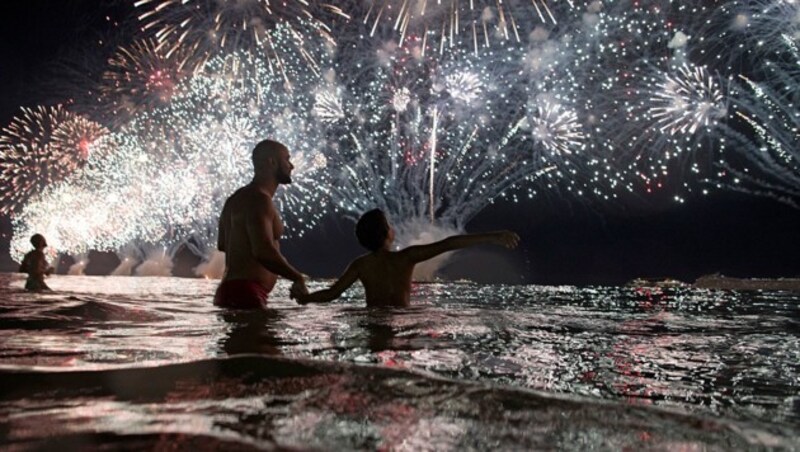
[(322, 296), (259, 224), (419, 253)]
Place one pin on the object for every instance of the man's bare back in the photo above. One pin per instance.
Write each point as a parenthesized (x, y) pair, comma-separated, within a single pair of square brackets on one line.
[(249, 232), (248, 208)]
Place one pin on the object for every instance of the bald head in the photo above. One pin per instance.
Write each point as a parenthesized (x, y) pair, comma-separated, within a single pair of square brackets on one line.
[(265, 150), (271, 162)]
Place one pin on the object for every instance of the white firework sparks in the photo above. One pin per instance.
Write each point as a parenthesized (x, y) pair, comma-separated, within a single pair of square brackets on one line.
[(688, 100), (464, 86), (556, 128)]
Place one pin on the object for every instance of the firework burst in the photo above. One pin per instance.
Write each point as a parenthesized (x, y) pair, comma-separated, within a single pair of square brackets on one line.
[(555, 127), (205, 28), (143, 76), (328, 106), (75, 219), (42, 146), (687, 100)]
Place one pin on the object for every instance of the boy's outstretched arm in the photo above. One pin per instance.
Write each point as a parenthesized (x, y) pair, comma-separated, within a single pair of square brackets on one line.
[(322, 296), (419, 253)]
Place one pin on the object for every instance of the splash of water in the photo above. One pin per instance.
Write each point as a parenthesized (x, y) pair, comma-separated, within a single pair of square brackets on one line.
[(420, 231), (156, 264), (125, 267), (213, 267), (79, 267)]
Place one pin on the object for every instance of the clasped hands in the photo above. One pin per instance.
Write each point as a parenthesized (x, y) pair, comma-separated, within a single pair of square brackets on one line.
[(298, 289)]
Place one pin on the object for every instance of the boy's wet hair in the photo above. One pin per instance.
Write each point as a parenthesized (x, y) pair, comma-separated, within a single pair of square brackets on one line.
[(372, 229), (36, 239)]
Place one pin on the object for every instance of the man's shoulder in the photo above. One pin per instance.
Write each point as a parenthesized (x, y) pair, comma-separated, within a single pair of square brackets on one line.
[(248, 197)]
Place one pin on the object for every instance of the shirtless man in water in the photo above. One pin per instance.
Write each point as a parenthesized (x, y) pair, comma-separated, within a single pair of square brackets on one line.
[(249, 230), (386, 274)]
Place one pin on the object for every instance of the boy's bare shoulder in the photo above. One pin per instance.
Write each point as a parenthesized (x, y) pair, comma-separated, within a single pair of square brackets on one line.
[(361, 261), (372, 262), (35, 254)]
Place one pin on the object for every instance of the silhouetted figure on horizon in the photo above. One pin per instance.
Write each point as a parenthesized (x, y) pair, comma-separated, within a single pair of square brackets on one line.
[(35, 265), (249, 230), (385, 274)]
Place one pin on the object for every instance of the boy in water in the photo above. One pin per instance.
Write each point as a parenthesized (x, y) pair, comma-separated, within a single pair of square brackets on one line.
[(35, 265), (386, 274)]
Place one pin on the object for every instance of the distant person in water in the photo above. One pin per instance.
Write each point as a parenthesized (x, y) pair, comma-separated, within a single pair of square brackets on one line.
[(35, 265), (386, 274), (249, 230)]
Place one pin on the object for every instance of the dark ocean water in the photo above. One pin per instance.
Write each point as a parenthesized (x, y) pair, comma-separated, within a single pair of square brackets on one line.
[(149, 362)]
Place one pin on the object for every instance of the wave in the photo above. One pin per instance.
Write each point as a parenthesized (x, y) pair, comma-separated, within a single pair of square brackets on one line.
[(260, 401), (91, 309), (64, 313)]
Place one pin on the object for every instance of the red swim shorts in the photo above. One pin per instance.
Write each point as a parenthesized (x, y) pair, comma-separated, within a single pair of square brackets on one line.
[(241, 294)]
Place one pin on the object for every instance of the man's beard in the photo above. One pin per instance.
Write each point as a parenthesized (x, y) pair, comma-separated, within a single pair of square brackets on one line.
[(284, 178)]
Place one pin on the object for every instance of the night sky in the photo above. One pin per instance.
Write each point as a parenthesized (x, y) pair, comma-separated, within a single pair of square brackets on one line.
[(563, 241)]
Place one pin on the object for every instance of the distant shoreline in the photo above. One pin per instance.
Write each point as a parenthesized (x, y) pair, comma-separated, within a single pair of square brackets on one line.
[(725, 282), (717, 281)]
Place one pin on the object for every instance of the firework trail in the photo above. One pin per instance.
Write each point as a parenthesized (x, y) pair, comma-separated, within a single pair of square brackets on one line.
[(201, 29), (42, 146), (741, 35), (468, 23), (765, 149)]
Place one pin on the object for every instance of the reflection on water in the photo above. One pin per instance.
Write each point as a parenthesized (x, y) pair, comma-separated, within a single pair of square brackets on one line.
[(248, 401), (735, 354)]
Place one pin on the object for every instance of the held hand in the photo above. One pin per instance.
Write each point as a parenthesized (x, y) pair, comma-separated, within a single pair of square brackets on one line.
[(302, 299), (298, 290), (507, 239)]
